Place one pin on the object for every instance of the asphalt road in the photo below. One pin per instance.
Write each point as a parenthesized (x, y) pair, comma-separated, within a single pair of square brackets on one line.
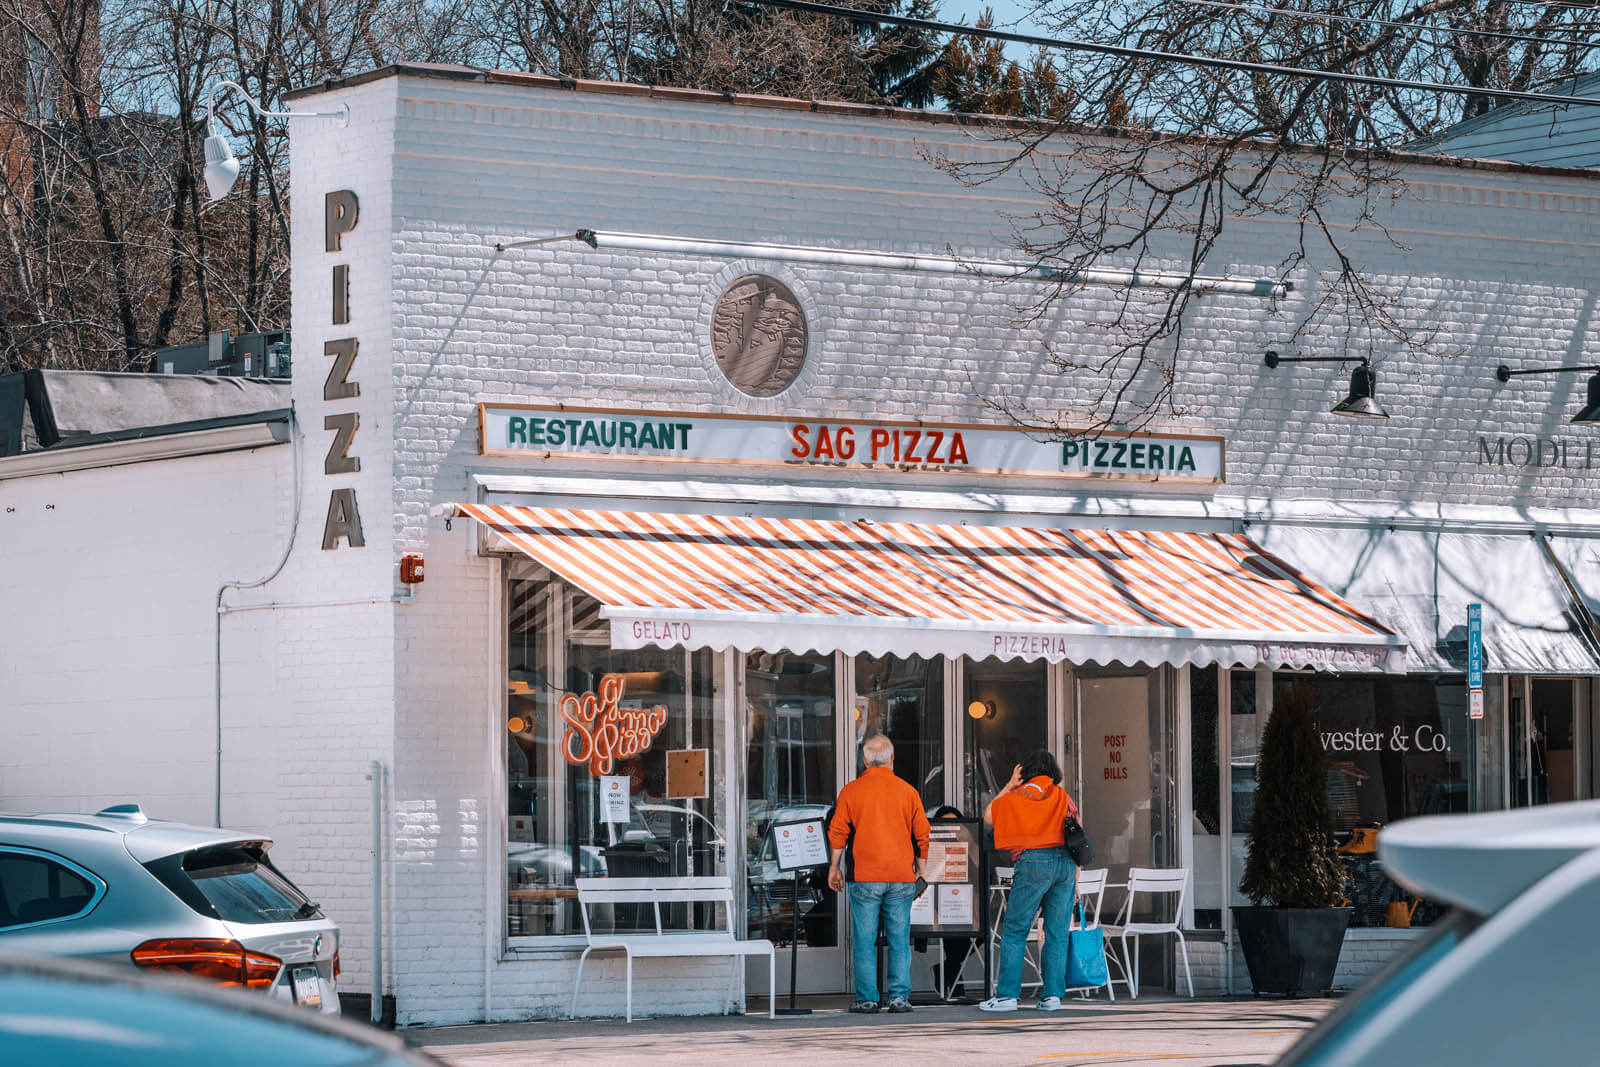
[(1150, 1030)]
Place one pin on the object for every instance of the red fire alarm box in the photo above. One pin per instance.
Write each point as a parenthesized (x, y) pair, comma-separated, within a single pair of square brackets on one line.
[(411, 569)]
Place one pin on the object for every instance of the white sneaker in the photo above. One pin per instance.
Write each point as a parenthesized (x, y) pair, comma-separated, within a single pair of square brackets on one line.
[(1049, 1003), (999, 1004)]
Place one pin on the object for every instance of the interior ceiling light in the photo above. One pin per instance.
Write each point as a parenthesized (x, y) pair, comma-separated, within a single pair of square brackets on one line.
[(1361, 402)]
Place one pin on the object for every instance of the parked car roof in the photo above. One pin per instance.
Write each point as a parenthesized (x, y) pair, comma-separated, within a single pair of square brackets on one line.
[(145, 838), (1483, 861)]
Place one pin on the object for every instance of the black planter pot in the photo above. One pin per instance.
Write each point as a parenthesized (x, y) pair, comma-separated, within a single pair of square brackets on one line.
[(1291, 952)]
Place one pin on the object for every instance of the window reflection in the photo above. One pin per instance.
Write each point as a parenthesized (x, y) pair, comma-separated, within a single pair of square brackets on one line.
[(903, 698), (789, 776), (1012, 701), (557, 827)]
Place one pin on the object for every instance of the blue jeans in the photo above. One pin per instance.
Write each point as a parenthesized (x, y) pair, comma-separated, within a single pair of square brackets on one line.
[(891, 900), (1044, 877)]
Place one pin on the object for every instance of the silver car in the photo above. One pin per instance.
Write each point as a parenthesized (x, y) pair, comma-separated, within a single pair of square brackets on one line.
[(1509, 976), (163, 896)]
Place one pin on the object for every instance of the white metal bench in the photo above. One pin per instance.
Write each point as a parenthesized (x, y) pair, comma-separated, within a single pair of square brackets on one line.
[(666, 943)]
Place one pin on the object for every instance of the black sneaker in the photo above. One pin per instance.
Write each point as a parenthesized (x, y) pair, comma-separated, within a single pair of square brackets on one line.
[(899, 1005), (865, 1007)]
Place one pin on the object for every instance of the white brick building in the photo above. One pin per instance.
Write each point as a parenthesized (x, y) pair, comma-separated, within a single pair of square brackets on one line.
[(1473, 490)]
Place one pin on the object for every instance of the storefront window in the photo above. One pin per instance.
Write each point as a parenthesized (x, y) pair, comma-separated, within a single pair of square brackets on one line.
[(904, 699), (1005, 709), (1396, 747), (790, 775), (612, 763)]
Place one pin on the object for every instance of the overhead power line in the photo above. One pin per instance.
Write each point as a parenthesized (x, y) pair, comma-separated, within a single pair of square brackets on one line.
[(1182, 58), (1430, 27)]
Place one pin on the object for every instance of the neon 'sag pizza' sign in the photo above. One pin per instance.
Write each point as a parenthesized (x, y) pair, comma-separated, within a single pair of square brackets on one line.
[(601, 731)]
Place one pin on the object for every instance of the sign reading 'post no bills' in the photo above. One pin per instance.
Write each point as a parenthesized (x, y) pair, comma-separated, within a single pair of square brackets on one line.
[(547, 432)]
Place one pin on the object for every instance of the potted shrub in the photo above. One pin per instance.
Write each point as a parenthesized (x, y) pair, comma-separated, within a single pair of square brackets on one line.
[(1292, 937)]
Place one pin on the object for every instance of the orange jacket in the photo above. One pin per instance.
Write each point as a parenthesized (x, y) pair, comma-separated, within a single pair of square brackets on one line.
[(888, 819), (1031, 816)]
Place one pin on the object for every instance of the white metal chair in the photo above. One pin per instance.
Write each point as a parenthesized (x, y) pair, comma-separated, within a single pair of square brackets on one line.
[(1091, 897), (1150, 881)]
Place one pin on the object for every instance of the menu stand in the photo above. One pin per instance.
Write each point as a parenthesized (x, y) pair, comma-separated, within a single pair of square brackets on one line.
[(799, 846), (794, 953)]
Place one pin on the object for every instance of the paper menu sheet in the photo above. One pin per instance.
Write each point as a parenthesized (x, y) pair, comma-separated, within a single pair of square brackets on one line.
[(955, 905), (947, 861), (922, 908), (801, 844)]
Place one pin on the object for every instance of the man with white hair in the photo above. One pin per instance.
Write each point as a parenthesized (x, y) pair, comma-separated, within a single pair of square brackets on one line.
[(879, 819)]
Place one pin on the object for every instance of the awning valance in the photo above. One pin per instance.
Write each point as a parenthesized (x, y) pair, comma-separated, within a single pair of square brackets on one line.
[(1088, 596), (1419, 583)]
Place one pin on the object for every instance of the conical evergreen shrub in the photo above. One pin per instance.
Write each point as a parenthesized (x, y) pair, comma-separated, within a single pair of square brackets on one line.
[(1292, 862)]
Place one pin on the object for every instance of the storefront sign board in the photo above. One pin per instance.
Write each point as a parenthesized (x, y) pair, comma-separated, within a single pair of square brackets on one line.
[(641, 627), (545, 432), (800, 845)]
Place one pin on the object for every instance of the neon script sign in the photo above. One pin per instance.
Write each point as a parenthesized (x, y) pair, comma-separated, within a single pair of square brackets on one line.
[(600, 731)]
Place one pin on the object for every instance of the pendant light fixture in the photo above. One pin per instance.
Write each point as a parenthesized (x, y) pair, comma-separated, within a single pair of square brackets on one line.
[(1362, 402), (1590, 412)]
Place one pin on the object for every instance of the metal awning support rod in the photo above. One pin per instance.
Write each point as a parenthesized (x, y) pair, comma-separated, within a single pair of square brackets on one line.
[(839, 257), (1505, 373)]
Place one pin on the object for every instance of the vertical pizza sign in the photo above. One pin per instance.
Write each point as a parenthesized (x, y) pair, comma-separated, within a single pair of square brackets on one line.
[(340, 211)]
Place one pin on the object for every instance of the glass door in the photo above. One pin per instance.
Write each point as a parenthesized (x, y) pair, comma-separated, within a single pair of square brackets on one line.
[(792, 773), (1006, 708), (1546, 744), (1127, 783)]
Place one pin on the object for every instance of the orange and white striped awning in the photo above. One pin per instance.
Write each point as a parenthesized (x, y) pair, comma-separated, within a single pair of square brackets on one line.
[(1087, 596)]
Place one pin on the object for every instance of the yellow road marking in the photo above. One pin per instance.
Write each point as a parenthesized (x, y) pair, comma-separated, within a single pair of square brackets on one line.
[(1116, 1052), (1070, 1055)]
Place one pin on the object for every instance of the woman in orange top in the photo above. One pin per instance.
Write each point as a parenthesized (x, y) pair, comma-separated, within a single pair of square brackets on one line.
[(1027, 816)]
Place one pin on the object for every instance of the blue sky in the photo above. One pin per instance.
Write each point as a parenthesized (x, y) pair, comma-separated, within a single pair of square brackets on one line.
[(1007, 14)]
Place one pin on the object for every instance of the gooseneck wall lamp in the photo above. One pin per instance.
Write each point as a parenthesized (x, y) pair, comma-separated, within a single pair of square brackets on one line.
[(1361, 403), (221, 167), (1591, 407)]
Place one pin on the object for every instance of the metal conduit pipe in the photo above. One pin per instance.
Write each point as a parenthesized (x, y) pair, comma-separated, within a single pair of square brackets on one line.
[(375, 776), (838, 257), (222, 609)]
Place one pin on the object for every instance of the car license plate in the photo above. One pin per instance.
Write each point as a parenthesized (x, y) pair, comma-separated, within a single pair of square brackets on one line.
[(307, 986)]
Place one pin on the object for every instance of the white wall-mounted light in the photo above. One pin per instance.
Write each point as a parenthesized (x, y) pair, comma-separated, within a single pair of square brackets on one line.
[(844, 257), (221, 166)]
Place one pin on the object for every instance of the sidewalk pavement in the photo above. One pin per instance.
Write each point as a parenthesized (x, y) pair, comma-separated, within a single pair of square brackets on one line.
[(1152, 1029)]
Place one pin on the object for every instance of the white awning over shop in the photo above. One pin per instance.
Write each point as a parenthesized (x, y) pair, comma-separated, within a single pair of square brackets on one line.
[(1087, 596), (1419, 583)]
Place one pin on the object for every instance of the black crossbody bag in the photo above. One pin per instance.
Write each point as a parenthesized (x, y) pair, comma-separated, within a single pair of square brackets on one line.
[(1077, 840)]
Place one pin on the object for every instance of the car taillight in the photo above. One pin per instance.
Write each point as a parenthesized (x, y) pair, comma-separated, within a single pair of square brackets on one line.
[(215, 958), (335, 966)]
